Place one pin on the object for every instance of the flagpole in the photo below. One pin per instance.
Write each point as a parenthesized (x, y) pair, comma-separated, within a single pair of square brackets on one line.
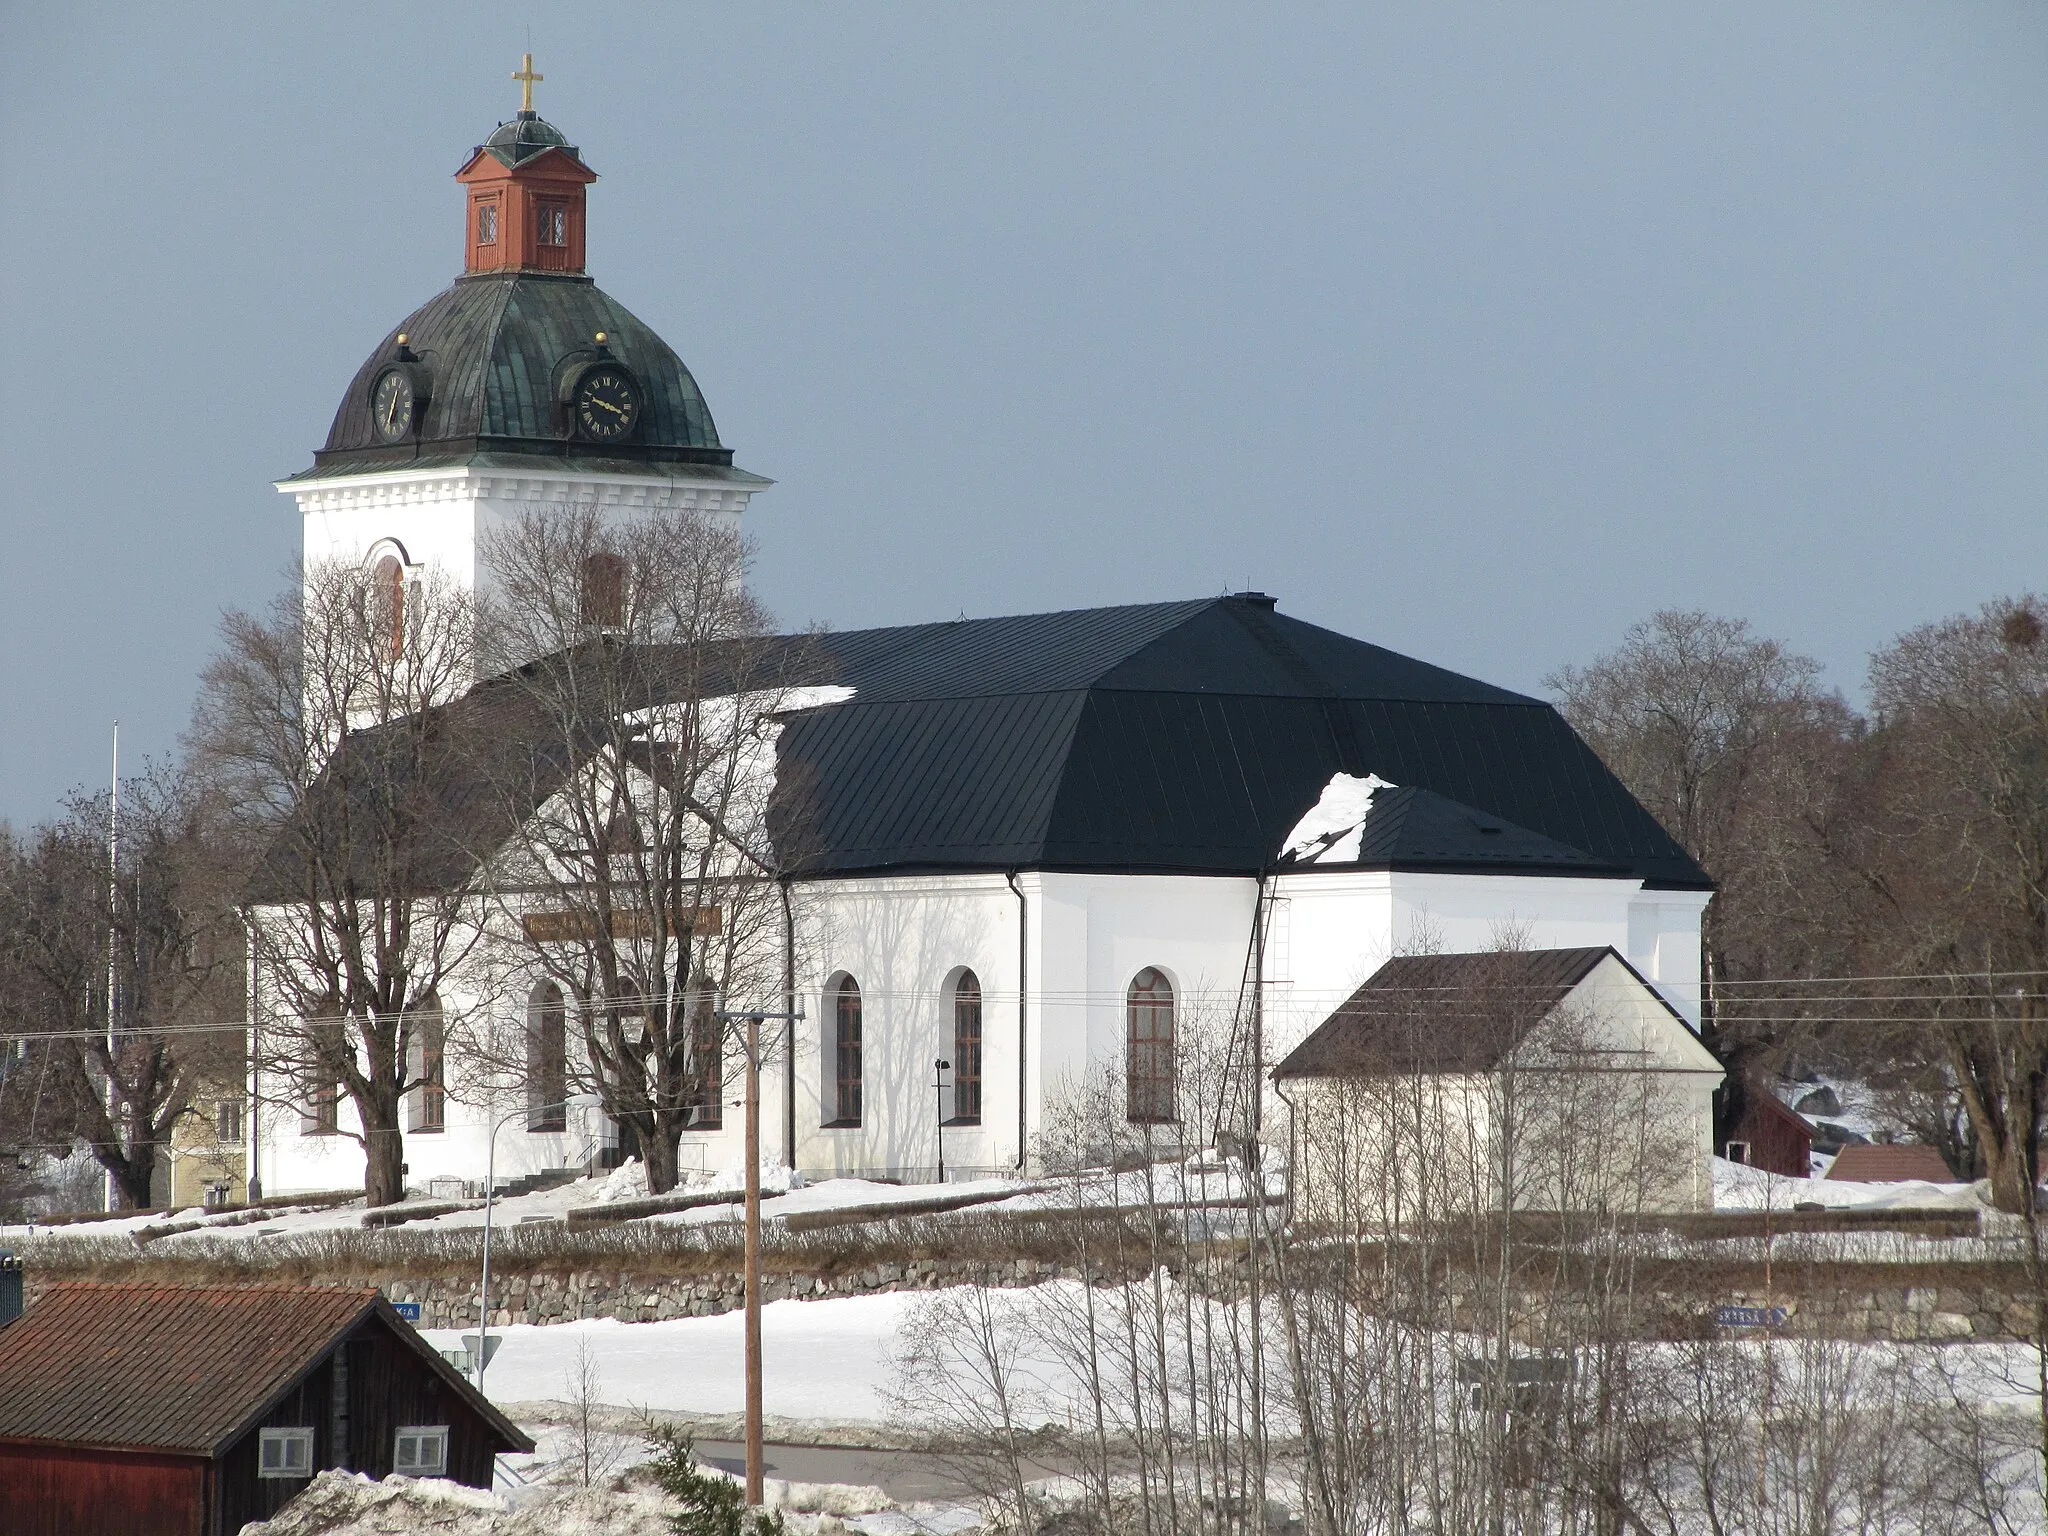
[(113, 933)]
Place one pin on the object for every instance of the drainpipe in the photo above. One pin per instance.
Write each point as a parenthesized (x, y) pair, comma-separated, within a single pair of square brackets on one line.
[(1023, 1014), (788, 1026), (1293, 1151)]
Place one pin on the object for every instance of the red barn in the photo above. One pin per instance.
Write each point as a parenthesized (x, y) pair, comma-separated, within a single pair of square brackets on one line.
[(1770, 1136), (173, 1410)]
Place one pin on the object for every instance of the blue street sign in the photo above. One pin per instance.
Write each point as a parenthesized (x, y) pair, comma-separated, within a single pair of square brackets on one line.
[(1750, 1317), (409, 1310)]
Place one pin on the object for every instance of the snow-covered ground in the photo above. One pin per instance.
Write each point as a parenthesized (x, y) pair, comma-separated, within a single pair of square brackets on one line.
[(542, 1205), (349, 1504), (825, 1360), (1738, 1187), (1199, 1179)]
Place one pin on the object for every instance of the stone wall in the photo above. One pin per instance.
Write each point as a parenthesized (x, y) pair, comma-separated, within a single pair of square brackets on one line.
[(1912, 1313), (1869, 1307), (449, 1301)]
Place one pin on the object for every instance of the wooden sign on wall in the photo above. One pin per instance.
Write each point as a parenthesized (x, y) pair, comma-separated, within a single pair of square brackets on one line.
[(580, 927)]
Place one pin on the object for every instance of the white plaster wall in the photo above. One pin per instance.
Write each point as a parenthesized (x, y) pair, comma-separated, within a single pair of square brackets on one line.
[(1664, 944), (439, 517), (1196, 929), (1088, 935), (903, 940), (291, 1160), (1333, 929)]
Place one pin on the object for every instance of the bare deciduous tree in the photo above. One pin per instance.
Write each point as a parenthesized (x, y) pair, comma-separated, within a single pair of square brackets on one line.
[(1730, 741), (635, 769), (324, 724), (154, 919)]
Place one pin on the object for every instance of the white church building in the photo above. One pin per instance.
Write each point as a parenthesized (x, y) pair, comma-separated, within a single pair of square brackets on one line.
[(1063, 832)]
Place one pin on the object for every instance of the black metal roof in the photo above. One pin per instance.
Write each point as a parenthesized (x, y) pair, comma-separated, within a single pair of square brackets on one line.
[(1190, 737), (1410, 828), (1166, 738), (490, 351)]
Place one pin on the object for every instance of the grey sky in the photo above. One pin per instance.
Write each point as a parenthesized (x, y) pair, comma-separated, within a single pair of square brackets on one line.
[(1477, 332)]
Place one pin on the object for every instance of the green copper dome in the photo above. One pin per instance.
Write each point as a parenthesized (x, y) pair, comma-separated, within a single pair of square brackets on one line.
[(527, 135), (491, 358)]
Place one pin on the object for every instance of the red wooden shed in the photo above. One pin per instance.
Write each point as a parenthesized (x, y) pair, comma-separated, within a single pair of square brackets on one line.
[(169, 1410), (1771, 1136)]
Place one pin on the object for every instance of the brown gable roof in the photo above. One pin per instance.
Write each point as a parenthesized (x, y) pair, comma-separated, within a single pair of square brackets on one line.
[(1895, 1164), (1441, 1013), (177, 1367)]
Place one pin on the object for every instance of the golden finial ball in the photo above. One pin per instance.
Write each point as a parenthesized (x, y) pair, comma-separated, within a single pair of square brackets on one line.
[(601, 338)]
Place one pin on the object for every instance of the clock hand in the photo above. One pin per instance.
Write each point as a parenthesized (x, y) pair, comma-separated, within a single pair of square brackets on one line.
[(600, 400)]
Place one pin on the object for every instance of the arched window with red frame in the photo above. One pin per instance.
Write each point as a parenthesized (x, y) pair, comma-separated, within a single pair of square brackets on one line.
[(428, 1062), (604, 590), (1149, 1067), (967, 1050), (547, 1059), (846, 1053), (387, 604)]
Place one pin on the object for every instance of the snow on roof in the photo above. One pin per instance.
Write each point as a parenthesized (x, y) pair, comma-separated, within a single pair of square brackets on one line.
[(1331, 831)]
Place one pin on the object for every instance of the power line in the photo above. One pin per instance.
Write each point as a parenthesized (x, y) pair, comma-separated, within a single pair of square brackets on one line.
[(1298, 997)]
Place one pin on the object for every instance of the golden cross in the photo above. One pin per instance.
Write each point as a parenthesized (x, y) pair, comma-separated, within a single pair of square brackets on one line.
[(526, 78)]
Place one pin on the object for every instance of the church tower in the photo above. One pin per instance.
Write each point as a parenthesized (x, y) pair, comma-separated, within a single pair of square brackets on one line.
[(522, 385)]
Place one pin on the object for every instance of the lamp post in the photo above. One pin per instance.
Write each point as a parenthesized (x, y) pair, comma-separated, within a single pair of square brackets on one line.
[(753, 1018), (483, 1306), (939, 1070)]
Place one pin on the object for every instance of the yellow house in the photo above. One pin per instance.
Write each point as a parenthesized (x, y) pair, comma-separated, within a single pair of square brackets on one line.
[(208, 1151)]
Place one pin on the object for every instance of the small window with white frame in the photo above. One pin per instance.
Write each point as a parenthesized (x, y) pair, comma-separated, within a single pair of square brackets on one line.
[(285, 1453), (227, 1121), (422, 1451)]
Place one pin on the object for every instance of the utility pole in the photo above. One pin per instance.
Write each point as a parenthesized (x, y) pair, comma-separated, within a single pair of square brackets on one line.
[(753, 1019)]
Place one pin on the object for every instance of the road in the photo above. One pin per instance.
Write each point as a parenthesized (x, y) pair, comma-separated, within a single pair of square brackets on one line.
[(906, 1476)]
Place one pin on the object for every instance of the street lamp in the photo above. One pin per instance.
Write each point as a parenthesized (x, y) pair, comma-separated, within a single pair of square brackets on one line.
[(483, 1325), (753, 1018), (939, 1070)]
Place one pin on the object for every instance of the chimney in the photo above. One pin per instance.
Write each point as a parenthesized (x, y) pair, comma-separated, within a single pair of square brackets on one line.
[(10, 1287)]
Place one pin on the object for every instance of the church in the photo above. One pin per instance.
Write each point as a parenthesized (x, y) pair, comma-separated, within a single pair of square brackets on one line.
[(1038, 842)]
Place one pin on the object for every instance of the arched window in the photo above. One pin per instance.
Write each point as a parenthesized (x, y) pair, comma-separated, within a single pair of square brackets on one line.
[(604, 590), (846, 1081), (707, 1065), (428, 1055), (1148, 1074), (967, 1050), (547, 1059), (322, 1113), (387, 604)]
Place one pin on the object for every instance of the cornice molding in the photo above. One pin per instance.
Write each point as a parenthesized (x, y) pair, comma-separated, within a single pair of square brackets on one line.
[(438, 487)]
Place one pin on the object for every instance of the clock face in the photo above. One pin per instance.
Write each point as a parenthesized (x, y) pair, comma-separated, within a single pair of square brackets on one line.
[(607, 405), (391, 404)]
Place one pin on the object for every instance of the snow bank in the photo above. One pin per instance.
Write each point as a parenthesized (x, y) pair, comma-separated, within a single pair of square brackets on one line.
[(1739, 1187), (1332, 830), (918, 1520), (351, 1504)]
